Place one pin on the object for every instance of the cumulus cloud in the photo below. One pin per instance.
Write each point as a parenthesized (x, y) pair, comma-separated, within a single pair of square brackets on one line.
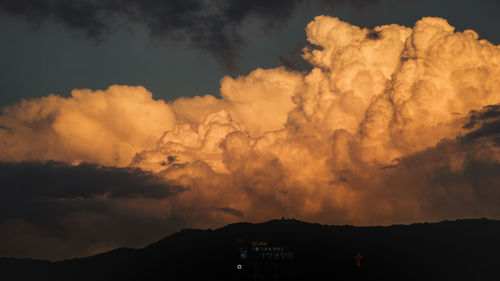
[(374, 98), (106, 127), (392, 125), (266, 93)]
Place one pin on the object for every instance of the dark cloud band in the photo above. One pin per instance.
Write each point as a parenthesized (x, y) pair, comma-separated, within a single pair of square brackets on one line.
[(30, 188), (212, 26)]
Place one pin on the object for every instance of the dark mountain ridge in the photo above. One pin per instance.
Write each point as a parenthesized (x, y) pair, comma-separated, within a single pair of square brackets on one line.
[(291, 250)]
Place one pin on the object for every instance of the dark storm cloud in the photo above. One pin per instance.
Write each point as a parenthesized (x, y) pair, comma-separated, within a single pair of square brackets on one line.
[(487, 123), (487, 113), (60, 180), (231, 211), (459, 177), (208, 25), (453, 179), (36, 190), (54, 210), (212, 26), (86, 16)]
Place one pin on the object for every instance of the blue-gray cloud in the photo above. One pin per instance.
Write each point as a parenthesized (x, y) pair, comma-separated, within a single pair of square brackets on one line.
[(212, 26)]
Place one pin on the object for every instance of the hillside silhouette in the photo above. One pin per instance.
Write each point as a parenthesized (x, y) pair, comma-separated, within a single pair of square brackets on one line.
[(291, 250)]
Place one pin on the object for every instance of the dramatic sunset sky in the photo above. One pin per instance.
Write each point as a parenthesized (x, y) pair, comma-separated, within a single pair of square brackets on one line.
[(123, 121)]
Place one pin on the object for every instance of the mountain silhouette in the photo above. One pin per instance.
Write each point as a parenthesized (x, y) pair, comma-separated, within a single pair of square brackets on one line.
[(291, 250)]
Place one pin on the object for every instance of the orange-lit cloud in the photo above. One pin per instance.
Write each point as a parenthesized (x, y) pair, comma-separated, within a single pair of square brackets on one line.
[(370, 101), (379, 132), (106, 127)]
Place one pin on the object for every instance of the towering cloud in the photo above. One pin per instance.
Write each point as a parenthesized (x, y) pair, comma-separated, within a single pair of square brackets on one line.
[(392, 125)]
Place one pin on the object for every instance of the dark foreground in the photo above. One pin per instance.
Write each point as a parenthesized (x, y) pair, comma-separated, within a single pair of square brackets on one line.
[(292, 250)]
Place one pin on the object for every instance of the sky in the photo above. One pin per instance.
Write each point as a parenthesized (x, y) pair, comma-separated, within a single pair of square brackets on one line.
[(124, 121), (44, 55)]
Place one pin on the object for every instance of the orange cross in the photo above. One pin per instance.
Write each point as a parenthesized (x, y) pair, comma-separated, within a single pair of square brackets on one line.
[(358, 258)]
